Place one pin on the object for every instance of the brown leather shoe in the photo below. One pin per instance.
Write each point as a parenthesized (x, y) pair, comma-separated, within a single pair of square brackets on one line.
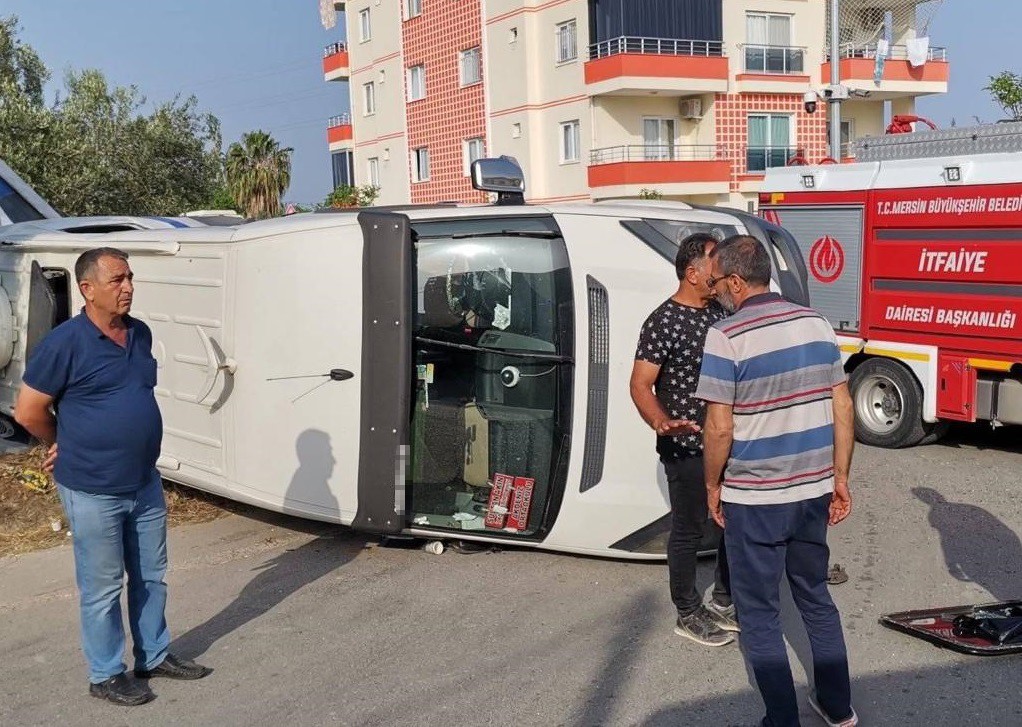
[(121, 690), (174, 668)]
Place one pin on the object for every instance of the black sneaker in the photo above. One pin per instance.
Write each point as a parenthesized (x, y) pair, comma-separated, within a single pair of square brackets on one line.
[(174, 667), (121, 690), (724, 616), (701, 628)]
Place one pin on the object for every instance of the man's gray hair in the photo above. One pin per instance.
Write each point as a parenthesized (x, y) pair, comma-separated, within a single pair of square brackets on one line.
[(85, 266), (744, 256)]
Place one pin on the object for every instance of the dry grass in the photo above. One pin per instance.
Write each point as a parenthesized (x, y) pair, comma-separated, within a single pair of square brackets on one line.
[(30, 508)]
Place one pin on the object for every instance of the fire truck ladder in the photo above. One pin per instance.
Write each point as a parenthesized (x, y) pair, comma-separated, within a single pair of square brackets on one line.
[(987, 139)]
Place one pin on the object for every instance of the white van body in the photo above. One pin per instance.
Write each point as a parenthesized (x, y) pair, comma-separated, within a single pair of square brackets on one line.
[(249, 321)]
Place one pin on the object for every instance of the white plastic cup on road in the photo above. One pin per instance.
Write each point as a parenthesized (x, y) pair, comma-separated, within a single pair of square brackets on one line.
[(436, 547)]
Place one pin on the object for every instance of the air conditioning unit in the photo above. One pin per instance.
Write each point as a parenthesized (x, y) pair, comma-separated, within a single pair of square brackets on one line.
[(691, 108)]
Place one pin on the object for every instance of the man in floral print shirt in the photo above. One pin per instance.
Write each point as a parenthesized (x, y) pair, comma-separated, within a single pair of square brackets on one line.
[(663, 384)]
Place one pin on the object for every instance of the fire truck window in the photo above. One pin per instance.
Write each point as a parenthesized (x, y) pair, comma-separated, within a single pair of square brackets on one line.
[(494, 312)]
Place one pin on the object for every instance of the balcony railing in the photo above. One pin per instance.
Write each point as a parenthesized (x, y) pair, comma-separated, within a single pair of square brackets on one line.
[(338, 47), (776, 59), (897, 52), (656, 46), (761, 158), (655, 153), (339, 120)]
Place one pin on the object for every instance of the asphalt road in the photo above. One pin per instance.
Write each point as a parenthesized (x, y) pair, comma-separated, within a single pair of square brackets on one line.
[(313, 625)]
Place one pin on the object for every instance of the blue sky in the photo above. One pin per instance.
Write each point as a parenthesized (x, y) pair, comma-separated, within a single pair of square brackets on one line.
[(257, 63)]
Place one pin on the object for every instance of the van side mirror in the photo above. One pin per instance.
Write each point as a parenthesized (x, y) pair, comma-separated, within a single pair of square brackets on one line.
[(502, 175)]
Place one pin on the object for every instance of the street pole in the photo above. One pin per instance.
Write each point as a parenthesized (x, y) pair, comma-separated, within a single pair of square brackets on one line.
[(834, 107)]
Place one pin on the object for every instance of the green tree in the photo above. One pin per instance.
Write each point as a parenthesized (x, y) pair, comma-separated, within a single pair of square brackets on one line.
[(347, 195), (20, 66), (1006, 89), (99, 150), (125, 162), (222, 199), (258, 173)]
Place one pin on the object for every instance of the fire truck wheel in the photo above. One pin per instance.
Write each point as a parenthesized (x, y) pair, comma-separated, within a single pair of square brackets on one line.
[(888, 405)]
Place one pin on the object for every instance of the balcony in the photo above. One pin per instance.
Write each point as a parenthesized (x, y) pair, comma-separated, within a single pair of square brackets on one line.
[(772, 69), (899, 78), (335, 62), (339, 132), (639, 66), (623, 171)]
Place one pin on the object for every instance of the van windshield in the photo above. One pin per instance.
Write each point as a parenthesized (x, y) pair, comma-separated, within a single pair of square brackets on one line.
[(493, 376)]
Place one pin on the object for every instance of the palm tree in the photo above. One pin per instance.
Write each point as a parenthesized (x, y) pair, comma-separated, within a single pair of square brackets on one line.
[(258, 172)]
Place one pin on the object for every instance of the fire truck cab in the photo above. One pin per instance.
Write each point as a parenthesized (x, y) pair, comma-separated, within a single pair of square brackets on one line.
[(915, 256)]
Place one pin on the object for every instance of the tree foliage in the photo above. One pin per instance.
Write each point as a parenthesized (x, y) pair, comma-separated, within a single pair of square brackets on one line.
[(20, 66), (1006, 88), (347, 195), (258, 173), (103, 150)]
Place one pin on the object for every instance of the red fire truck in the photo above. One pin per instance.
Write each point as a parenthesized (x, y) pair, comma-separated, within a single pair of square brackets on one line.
[(915, 256)]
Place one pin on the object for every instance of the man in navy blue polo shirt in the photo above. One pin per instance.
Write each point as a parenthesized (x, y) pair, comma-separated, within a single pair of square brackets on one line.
[(98, 372)]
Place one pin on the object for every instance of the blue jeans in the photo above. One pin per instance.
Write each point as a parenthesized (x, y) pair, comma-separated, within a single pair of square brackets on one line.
[(113, 534), (765, 542)]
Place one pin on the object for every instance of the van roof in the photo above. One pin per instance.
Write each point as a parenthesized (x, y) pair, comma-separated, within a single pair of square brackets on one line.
[(60, 233)]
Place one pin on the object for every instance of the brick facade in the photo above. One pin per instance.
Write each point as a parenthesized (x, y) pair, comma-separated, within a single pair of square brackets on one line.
[(732, 130), (449, 114)]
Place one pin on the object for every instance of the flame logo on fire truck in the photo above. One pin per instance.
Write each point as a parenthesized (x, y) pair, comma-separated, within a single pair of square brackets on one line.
[(826, 259)]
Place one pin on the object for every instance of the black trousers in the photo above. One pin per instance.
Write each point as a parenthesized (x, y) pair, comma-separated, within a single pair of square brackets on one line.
[(686, 487)]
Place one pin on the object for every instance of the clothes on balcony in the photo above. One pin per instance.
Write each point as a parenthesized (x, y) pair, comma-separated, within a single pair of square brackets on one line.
[(917, 50)]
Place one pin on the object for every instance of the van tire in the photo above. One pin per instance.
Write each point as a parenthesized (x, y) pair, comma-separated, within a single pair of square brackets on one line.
[(888, 404)]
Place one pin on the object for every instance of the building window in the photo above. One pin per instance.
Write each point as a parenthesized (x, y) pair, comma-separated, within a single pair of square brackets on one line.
[(473, 149), (373, 171), (768, 46), (369, 98), (343, 170), (416, 83), (570, 142), (420, 165), (567, 49), (658, 137), (847, 137), (413, 8), (365, 28), (770, 141), (469, 66)]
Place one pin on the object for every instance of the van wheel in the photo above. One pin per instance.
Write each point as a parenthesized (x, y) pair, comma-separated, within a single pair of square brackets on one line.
[(888, 405)]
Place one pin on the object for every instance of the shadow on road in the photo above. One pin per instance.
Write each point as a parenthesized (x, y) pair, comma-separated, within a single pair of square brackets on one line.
[(977, 546), (982, 436), (293, 569), (982, 691), (634, 622)]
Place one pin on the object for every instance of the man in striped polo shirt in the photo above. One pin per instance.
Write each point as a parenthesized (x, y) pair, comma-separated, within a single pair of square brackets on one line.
[(778, 446)]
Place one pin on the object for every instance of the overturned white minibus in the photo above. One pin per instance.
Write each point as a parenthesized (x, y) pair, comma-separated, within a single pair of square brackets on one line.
[(444, 372)]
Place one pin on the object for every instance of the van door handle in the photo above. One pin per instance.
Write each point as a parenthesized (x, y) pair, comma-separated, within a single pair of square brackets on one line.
[(216, 361)]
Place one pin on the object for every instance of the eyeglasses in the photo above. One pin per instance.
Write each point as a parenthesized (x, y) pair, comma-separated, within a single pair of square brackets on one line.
[(712, 281)]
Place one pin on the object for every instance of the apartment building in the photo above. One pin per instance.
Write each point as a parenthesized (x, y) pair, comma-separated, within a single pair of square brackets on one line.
[(601, 99)]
